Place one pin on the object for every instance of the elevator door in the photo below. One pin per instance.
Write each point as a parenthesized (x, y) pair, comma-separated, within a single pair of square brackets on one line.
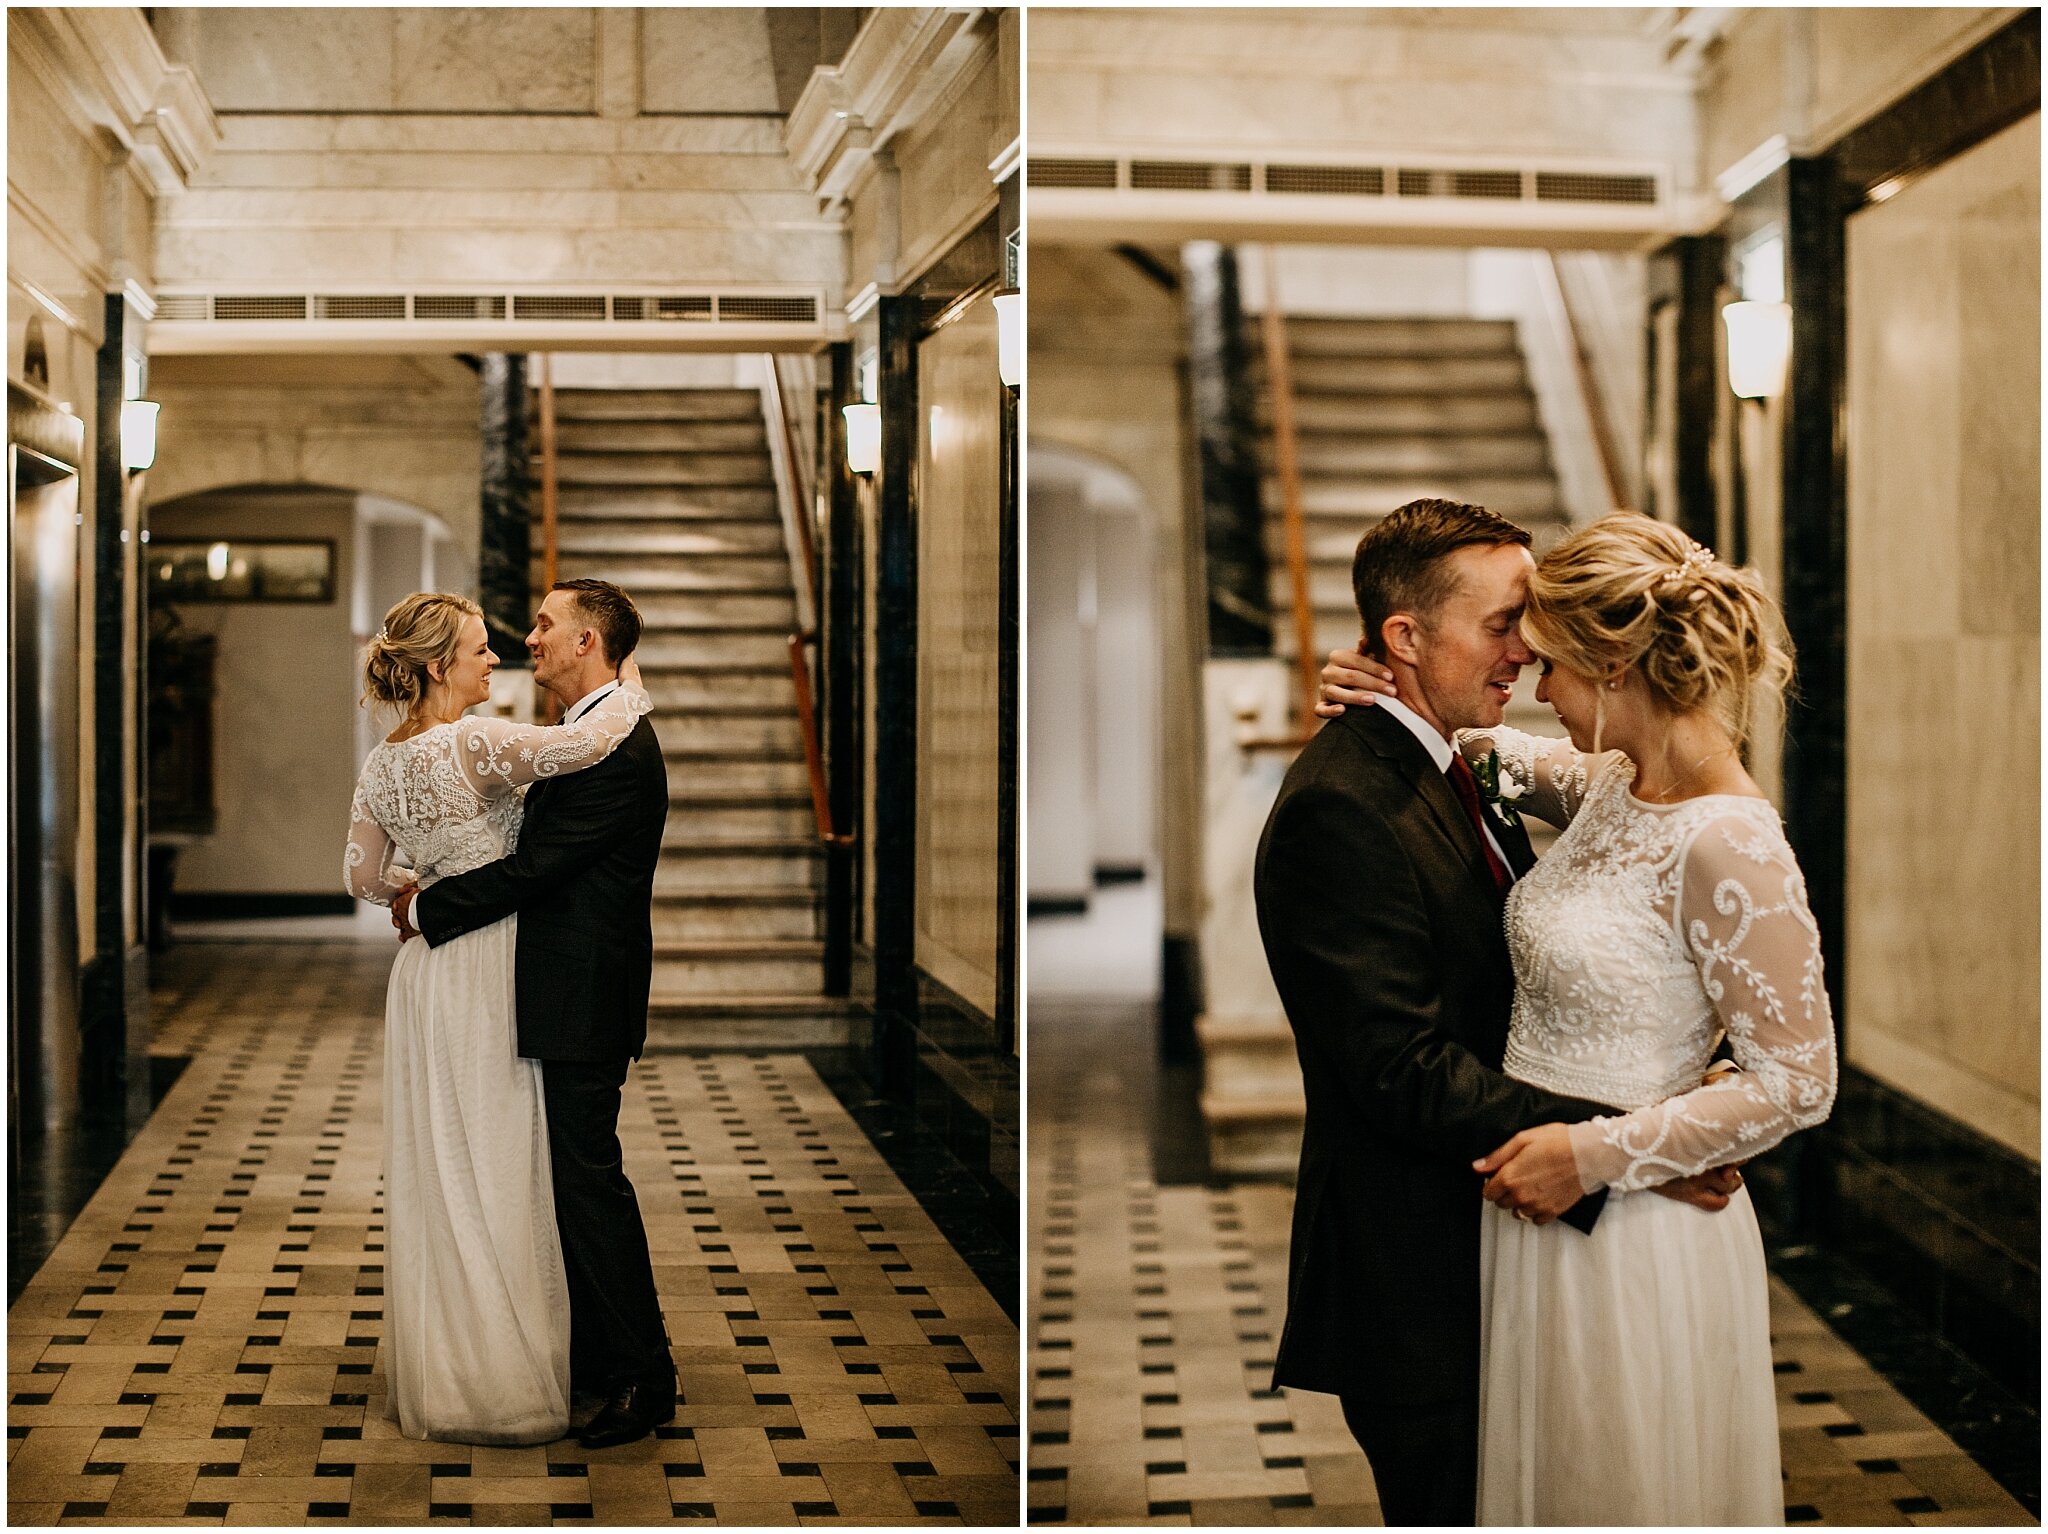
[(43, 546)]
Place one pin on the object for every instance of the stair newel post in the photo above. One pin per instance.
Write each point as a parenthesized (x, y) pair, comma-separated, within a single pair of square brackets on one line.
[(1280, 386)]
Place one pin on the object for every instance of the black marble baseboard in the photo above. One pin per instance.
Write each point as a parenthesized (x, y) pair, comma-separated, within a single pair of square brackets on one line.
[(1057, 905), (192, 906)]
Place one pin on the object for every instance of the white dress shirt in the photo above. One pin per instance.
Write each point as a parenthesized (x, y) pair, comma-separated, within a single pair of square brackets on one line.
[(589, 701), (1440, 751)]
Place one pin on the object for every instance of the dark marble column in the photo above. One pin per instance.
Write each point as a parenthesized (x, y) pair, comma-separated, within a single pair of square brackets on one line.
[(895, 829), (1699, 260), (1009, 630), (103, 1022), (505, 552), (839, 648), (1226, 430)]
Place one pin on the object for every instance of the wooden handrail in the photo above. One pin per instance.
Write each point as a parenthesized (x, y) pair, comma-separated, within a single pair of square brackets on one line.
[(805, 558), (821, 802), (1280, 385), (550, 515), (1589, 389)]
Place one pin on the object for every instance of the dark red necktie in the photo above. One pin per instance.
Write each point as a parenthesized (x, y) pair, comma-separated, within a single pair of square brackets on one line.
[(1467, 788)]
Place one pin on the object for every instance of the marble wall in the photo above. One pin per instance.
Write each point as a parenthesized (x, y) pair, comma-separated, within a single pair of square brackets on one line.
[(1944, 431), (285, 721), (1812, 73), (1574, 82), (958, 601), (402, 427)]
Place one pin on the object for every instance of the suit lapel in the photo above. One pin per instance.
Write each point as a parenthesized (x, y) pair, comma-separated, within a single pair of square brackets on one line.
[(1392, 740), (1514, 841)]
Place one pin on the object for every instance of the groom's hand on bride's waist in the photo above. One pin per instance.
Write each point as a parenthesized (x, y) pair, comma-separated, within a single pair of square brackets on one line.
[(401, 913), (1709, 1190)]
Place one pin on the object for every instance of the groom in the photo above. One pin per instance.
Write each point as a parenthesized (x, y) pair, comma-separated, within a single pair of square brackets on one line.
[(1381, 883), (582, 880)]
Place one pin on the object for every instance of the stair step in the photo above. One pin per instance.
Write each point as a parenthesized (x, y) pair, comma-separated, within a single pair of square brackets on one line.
[(656, 404), (749, 437), (1316, 336), (1328, 457), (672, 688), (1408, 375), (709, 503), (762, 648), (782, 818), (747, 1022), (697, 772), (1360, 500), (725, 538), (589, 470), (747, 915), (708, 869), (1372, 415), (724, 732), (785, 969), (761, 574)]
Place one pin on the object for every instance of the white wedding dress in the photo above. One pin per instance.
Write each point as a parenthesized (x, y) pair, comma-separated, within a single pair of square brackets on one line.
[(476, 1305), (1626, 1375)]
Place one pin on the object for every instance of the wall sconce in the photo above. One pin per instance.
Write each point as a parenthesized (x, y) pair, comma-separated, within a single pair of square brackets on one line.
[(1010, 337), (863, 438), (138, 432), (1759, 343)]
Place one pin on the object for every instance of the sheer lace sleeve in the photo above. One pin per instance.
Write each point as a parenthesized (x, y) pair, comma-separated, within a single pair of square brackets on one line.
[(498, 755), (370, 868), (1554, 775), (1741, 912)]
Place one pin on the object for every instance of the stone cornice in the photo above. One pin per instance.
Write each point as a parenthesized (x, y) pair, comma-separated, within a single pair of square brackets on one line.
[(904, 62), (108, 60)]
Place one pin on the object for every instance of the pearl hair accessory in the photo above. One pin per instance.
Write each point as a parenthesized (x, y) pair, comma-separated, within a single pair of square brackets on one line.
[(1698, 557)]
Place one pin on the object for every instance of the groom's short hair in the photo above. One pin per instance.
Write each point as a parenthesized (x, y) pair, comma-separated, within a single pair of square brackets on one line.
[(1399, 566), (607, 609)]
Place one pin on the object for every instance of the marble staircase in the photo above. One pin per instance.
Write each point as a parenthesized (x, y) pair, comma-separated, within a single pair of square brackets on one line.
[(1386, 411), (671, 494)]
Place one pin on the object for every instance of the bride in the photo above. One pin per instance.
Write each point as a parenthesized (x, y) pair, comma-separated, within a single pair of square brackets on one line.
[(1626, 1377), (476, 1332)]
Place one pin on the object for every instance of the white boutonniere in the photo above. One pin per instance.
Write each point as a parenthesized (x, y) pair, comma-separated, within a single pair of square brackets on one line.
[(1498, 788)]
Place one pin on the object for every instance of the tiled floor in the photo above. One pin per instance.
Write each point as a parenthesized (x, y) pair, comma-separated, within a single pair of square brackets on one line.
[(1155, 1311), (202, 1346)]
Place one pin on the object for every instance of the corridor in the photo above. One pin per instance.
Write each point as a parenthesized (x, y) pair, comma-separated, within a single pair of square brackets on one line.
[(1157, 1306), (202, 1344)]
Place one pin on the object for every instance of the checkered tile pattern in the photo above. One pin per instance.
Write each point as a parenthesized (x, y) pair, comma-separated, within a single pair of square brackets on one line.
[(202, 1346)]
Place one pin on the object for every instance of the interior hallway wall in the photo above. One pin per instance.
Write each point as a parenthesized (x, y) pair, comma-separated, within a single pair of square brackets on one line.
[(1944, 390), (286, 684)]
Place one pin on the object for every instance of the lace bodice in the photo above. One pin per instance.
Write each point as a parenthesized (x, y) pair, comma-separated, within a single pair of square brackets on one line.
[(451, 798), (1644, 934)]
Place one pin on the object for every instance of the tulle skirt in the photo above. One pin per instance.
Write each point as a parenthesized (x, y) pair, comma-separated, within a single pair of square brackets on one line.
[(476, 1303), (1626, 1376)]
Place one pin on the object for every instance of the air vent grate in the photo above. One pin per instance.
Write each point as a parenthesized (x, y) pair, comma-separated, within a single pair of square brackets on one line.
[(786, 310), (689, 306), (1086, 175), (1189, 176), (359, 306), (631, 308), (239, 307), (458, 306), (183, 306), (557, 306), (1414, 183), (1563, 186), (1503, 184), (1328, 180)]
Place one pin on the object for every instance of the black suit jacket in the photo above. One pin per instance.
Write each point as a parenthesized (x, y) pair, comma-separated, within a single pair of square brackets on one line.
[(582, 881), (1384, 933)]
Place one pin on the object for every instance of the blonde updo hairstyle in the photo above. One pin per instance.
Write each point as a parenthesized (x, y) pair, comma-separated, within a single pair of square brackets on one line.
[(1633, 592), (422, 630)]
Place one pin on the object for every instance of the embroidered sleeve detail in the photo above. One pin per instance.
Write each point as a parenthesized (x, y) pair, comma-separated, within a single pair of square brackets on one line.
[(1741, 914), (498, 755), (370, 869), (1554, 776)]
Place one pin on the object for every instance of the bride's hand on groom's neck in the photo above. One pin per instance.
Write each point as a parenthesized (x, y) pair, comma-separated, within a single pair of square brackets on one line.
[(1353, 679)]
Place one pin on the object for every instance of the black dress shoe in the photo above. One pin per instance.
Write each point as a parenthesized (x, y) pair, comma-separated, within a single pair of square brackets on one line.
[(630, 1413)]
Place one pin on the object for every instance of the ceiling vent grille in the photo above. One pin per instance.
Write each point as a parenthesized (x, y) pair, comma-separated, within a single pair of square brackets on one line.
[(273, 307), (1084, 175), (1328, 180), (1189, 176), (1565, 186), (1503, 184), (686, 307), (1415, 183), (558, 306), (360, 306), (458, 306), (184, 306), (786, 310)]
